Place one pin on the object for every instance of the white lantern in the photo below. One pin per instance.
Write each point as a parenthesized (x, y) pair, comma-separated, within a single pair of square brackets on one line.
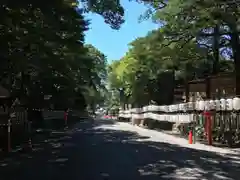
[(170, 108), (177, 107), (218, 105), (212, 105), (166, 117), (185, 107), (146, 109), (174, 107), (236, 103), (206, 105), (174, 118), (160, 117), (163, 108), (190, 106), (151, 108), (160, 108), (154, 108), (185, 118), (181, 107), (197, 106), (170, 118), (223, 104), (201, 105), (229, 104), (191, 117), (180, 118), (166, 108)]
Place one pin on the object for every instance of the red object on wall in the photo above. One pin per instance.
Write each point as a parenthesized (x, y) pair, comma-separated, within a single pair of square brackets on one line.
[(208, 126), (65, 116), (190, 136)]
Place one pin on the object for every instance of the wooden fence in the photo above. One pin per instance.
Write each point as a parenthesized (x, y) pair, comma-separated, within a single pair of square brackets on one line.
[(224, 116), (14, 125)]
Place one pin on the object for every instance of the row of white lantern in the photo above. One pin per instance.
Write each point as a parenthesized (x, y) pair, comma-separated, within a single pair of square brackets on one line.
[(217, 105), (123, 115), (178, 118)]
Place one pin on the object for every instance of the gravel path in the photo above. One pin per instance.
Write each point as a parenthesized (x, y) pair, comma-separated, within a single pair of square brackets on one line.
[(107, 150)]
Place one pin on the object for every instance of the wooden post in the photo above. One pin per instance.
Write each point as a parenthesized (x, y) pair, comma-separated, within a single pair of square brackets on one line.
[(30, 135), (208, 87), (9, 135), (187, 91), (208, 126), (190, 136)]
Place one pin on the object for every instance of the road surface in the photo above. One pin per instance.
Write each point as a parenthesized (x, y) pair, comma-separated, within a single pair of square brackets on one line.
[(99, 152)]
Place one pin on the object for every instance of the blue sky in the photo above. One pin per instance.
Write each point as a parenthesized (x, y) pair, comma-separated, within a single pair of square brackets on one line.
[(114, 43)]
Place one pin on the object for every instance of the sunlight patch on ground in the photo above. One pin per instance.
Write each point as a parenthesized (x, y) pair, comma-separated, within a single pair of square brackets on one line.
[(180, 173), (221, 175), (186, 173), (104, 174), (212, 161), (156, 136), (56, 145), (61, 160)]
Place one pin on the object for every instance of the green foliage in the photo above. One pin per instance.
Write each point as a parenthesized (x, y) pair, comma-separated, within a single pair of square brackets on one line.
[(190, 44), (94, 89), (111, 10), (43, 53)]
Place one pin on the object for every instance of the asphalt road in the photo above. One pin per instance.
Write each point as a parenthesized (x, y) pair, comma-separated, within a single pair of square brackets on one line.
[(86, 153)]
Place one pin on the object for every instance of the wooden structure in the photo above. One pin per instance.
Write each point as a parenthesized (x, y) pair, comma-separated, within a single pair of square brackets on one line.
[(4, 93), (179, 94), (4, 97), (212, 87), (12, 115)]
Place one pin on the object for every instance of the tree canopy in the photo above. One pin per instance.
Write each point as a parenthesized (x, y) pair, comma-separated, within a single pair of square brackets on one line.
[(43, 52), (195, 40)]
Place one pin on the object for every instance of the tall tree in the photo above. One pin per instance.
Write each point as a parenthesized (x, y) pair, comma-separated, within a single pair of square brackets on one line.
[(212, 23), (146, 71)]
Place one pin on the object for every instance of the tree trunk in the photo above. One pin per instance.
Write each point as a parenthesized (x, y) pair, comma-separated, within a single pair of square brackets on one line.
[(236, 55), (216, 37)]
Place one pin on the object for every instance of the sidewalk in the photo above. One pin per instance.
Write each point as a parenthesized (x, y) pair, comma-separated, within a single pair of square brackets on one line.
[(158, 136)]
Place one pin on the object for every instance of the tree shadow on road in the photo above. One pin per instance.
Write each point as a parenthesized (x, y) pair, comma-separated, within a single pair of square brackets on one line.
[(91, 153), (132, 156)]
